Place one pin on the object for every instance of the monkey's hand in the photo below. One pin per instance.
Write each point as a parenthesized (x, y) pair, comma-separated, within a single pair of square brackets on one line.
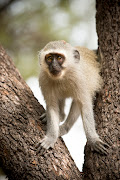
[(46, 143), (100, 146)]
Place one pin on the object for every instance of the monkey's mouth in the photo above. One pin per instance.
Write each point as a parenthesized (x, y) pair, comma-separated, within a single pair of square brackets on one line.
[(55, 72)]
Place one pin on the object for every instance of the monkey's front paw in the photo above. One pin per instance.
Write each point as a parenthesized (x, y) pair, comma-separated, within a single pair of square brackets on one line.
[(46, 143), (100, 147)]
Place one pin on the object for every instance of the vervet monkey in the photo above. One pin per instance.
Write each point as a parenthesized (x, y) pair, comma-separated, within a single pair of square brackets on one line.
[(67, 71)]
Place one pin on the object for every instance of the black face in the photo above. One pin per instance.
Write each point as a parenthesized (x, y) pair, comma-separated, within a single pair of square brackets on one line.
[(54, 62)]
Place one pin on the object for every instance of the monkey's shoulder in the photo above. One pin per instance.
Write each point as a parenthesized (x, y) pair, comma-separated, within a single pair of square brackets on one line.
[(87, 55)]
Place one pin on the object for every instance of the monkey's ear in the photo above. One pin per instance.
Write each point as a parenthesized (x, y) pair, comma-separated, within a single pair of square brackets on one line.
[(76, 55)]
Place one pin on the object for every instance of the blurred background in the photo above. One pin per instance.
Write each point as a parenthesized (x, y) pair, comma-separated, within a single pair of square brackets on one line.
[(25, 28)]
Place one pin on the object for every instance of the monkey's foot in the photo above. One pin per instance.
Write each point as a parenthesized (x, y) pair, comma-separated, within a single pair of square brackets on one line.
[(100, 147), (46, 143), (43, 118)]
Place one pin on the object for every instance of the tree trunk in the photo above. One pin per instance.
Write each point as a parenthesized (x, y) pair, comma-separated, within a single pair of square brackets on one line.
[(97, 167), (21, 130)]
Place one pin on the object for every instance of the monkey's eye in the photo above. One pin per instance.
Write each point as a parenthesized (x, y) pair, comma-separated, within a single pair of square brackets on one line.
[(49, 59), (60, 59)]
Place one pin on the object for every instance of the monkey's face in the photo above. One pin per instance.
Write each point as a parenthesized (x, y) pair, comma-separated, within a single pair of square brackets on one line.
[(54, 62), (57, 58)]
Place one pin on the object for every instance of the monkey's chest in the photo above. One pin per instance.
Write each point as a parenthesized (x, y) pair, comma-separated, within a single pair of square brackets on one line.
[(64, 90)]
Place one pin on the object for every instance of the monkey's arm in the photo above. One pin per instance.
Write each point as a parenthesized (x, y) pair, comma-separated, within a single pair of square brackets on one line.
[(89, 126), (52, 126), (61, 112)]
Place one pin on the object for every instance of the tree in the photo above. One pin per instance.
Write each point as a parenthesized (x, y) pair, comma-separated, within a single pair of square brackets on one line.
[(97, 167), (20, 112), (21, 129)]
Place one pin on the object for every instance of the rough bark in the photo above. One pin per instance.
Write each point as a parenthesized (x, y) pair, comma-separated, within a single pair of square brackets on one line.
[(107, 112), (21, 130)]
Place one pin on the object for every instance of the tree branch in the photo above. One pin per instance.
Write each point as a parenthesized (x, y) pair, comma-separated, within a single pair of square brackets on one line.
[(21, 129)]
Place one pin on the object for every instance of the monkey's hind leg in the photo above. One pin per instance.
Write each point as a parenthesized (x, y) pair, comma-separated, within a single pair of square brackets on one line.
[(43, 118), (71, 119), (61, 110)]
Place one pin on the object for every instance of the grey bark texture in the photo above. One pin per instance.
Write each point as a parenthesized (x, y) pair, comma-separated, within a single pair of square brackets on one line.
[(107, 105), (21, 129)]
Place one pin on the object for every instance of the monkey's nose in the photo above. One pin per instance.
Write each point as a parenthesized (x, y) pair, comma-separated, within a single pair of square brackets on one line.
[(55, 72)]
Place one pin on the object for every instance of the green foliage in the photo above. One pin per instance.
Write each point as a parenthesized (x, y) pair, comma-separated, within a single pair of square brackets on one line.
[(26, 26)]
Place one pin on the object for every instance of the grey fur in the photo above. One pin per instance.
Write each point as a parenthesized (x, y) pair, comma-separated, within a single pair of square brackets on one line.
[(79, 81)]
